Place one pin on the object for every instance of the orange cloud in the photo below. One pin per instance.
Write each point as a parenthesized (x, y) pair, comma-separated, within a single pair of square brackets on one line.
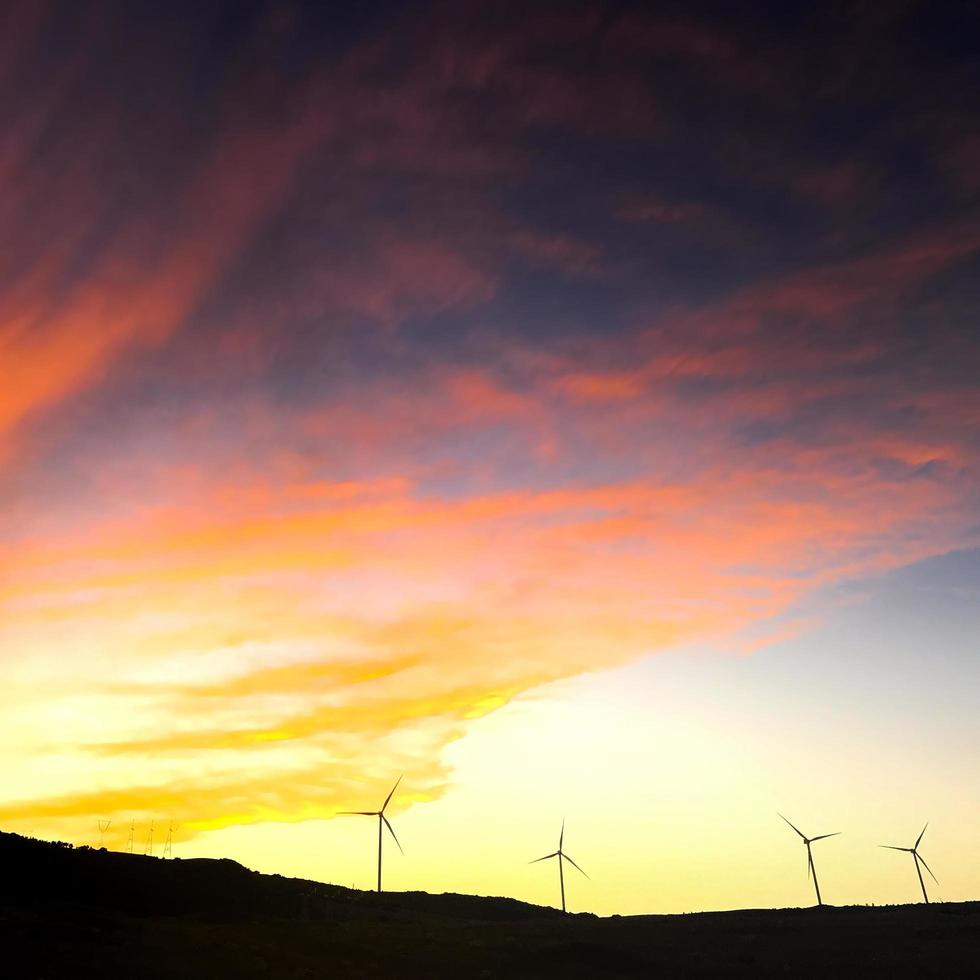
[(147, 275), (271, 635), (274, 586)]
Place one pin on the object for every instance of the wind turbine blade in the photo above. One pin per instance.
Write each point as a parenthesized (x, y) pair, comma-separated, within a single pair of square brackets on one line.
[(802, 835), (825, 836), (892, 847), (926, 866), (920, 838), (391, 831), (809, 865), (561, 836), (545, 858), (573, 864), (390, 795), (357, 813)]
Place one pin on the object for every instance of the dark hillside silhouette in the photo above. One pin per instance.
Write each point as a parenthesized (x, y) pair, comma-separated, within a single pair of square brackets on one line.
[(74, 913), (215, 889)]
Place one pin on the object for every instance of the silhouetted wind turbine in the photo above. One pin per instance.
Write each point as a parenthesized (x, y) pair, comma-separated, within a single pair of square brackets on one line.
[(382, 822), (560, 854), (810, 869), (919, 859)]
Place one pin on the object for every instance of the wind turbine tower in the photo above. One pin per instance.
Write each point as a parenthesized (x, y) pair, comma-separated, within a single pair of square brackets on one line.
[(810, 867), (919, 859), (382, 823), (562, 856)]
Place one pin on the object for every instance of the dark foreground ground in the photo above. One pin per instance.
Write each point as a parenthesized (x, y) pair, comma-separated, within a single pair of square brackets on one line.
[(83, 913)]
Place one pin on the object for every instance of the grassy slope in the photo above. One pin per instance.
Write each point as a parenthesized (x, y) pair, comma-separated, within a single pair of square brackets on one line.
[(80, 913)]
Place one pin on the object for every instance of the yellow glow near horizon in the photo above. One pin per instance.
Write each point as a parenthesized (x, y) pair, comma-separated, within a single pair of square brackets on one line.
[(323, 459)]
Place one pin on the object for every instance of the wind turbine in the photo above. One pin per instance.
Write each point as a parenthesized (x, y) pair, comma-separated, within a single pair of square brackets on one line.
[(810, 868), (382, 822), (919, 859), (560, 854)]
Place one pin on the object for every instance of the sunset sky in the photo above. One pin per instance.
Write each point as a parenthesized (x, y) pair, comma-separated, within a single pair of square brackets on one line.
[(573, 407)]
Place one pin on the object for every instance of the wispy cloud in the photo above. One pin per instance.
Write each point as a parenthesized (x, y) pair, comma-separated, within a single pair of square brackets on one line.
[(348, 406)]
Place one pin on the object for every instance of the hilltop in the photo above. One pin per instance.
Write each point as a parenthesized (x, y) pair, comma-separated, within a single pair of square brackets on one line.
[(79, 912)]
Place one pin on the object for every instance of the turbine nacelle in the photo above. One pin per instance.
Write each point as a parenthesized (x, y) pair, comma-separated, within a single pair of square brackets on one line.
[(918, 859), (811, 871), (382, 822), (562, 856)]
